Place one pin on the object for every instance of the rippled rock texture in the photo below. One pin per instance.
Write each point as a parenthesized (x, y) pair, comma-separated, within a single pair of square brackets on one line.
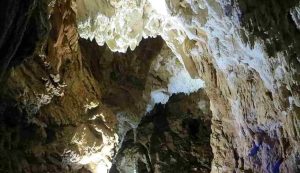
[(90, 84)]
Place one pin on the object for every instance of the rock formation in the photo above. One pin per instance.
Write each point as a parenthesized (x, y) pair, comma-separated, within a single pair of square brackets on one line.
[(150, 86)]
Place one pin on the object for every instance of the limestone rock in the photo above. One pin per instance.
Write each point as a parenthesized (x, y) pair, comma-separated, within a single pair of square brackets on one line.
[(81, 82)]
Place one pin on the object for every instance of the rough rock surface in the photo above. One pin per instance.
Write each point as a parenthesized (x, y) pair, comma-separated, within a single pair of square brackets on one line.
[(69, 103), (247, 52), (73, 105), (45, 105), (171, 138)]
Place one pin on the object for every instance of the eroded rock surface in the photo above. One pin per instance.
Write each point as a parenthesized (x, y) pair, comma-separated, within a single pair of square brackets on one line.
[(247, 54), (69, 104)]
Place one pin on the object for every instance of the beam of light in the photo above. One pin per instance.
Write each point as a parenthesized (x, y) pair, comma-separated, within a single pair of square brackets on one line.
[(159, 6)]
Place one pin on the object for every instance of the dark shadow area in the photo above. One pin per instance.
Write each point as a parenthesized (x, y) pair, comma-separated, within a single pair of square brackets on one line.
[(191, 125), (122, 76), (169, 134), (271, 21), (22, 27)]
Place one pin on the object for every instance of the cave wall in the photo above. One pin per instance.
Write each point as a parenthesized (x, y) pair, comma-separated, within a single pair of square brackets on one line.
[(66, 102), (61, 94), (247, 54), (22, 27), (172, 137)]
